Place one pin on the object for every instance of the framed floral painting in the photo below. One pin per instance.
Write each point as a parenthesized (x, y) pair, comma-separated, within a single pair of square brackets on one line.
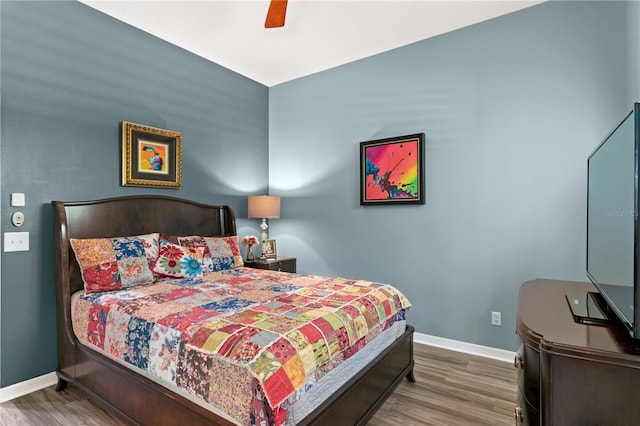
[(151, 156), (392, 170)]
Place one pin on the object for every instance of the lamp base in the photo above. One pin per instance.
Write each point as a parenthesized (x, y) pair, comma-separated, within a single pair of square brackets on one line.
[(264, 227)]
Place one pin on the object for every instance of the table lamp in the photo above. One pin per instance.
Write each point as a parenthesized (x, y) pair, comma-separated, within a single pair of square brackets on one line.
[(264, 207)]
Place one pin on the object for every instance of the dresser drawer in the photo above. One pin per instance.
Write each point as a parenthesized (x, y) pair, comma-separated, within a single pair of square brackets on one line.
[(284, 264), (288, 265), (525, 413), (528, 364)]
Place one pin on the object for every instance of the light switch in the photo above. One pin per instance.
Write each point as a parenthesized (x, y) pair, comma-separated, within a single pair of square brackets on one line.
[(17, 199), (16, 241)]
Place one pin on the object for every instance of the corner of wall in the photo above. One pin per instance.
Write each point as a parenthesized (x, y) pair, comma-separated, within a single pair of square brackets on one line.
[(633, 51)]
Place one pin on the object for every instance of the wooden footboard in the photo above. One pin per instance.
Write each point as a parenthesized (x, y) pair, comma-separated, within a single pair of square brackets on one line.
[(133, 398), (139, 400), (357, 401)]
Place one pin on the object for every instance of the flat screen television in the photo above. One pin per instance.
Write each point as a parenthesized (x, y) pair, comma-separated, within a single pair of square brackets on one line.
[(613, 230)]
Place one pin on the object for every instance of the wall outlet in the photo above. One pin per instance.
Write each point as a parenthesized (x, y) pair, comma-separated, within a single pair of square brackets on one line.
[(16, 241), (496, 318)]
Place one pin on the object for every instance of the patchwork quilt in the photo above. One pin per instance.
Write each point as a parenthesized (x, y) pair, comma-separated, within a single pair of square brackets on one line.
[(240, 336)]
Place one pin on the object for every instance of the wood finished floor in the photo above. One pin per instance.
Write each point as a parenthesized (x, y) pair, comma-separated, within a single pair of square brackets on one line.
[(451, 389)]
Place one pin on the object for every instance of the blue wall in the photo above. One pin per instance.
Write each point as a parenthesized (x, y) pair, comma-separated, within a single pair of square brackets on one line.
[(511, 108), (70, 75)]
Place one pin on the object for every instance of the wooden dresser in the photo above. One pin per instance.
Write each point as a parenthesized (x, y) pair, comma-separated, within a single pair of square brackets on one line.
[(570, 373)]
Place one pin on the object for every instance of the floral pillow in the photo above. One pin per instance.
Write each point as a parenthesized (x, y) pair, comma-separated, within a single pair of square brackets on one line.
[(220, 252), (110, 264), (178, 261)]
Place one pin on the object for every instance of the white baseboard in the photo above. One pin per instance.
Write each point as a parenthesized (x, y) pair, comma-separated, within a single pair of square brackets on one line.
[(19, 389), (468, 348)]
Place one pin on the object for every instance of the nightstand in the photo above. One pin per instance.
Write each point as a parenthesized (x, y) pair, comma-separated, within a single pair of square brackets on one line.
[(280, 263)]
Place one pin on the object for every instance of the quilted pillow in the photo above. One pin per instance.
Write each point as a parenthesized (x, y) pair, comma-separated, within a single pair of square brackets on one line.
[(114, 263), (178, 261), (220, 252)]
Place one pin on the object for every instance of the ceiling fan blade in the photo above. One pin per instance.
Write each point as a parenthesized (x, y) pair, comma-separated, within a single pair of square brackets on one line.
[(276, 14)]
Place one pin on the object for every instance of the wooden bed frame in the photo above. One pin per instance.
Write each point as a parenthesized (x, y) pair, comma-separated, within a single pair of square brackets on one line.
[(133, 397)]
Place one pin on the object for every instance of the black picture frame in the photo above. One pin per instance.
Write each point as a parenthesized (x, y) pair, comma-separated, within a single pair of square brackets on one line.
[(392, 171)]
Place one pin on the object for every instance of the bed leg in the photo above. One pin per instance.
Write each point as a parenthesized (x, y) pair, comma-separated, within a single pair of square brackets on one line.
[(410, 377), (61, 384)]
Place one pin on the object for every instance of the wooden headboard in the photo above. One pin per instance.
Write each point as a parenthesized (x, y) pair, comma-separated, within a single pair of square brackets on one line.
[(128, 216)]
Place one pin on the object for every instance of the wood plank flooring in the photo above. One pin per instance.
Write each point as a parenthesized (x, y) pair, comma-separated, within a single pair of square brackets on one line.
[(451, 389)]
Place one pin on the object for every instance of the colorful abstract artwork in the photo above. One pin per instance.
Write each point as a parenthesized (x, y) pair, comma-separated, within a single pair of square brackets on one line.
[(152, 157), (391, 170)]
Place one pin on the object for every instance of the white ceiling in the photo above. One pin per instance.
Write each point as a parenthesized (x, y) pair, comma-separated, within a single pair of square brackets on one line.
[(318, 34)]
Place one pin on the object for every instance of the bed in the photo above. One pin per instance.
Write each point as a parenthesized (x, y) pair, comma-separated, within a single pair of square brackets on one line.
[(138, 399)]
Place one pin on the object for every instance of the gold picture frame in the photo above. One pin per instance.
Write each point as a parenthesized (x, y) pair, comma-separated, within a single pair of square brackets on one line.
[(151, 156)]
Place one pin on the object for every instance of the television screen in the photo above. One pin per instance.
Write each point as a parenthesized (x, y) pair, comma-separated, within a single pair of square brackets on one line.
[(611, 219)]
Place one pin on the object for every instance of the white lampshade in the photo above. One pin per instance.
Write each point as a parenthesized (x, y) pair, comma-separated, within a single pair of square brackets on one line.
[(264, 207)]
